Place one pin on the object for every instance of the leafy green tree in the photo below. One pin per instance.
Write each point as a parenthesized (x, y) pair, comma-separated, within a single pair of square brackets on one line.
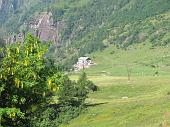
[(29, 79), (74, 93), (24, 81), (83, 87), (71, 101)]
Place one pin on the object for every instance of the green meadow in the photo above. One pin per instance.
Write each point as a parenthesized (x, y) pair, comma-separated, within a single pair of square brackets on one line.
[(144, 101)]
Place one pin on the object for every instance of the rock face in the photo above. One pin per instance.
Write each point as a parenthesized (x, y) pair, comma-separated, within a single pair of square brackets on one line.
[(45, 28), (40, 25)]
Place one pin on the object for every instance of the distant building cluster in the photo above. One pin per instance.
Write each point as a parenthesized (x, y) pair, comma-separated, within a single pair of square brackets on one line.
[(82, 63)]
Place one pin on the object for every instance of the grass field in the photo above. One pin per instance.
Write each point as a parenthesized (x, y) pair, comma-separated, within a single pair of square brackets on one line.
[(142, 59), (144, 101)]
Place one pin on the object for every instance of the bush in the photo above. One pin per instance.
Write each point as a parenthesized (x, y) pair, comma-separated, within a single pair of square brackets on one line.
[(71, 100)]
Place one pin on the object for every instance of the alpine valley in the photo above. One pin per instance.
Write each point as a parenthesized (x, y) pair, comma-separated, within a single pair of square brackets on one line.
[(128, 42)]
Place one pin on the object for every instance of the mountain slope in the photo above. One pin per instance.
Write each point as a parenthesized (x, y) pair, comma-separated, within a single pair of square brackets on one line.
[(90, 25), (95, 24)]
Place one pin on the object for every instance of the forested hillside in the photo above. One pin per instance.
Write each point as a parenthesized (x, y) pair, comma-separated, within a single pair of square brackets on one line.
[(90, 25), (93, 25)]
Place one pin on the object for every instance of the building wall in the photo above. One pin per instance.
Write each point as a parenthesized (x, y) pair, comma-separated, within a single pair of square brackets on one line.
[(82, 64)]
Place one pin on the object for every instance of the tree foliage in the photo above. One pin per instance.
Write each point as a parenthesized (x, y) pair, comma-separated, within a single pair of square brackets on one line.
[(71, 102), (28, 82), (22, 84)]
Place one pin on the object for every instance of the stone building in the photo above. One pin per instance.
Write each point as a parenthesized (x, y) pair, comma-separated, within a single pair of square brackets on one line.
[(82, 63)]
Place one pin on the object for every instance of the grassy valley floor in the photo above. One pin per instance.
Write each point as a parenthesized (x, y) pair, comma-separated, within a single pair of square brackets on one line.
[(144, 101)]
